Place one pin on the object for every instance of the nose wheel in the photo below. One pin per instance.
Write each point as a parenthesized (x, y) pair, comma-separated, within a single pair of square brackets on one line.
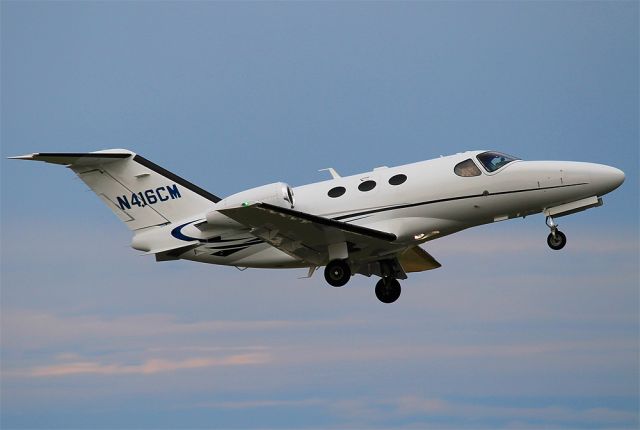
[(388, 290), (556, 239)]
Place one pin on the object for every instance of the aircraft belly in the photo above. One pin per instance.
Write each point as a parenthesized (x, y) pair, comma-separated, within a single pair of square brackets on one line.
[(498, 207)]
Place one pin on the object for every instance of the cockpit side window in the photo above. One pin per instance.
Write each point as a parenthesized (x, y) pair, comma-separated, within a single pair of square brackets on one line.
[(492, 161), (466, 168)]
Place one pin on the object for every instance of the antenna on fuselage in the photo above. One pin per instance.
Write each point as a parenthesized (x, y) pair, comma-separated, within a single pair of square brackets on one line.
[(332, 172)]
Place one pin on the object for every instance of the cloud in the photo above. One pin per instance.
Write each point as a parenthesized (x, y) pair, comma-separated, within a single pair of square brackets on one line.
[(26, 329), (521, 350), (412, 404), (153, 334), (251, 404), (435, 407), (148, 367), (460, 331), (370, 411)]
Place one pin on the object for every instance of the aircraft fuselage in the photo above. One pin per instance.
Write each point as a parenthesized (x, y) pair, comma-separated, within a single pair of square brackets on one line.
[(433, 202)]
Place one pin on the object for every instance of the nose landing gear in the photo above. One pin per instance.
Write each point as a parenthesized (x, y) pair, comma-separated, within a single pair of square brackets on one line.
[(556, 239)]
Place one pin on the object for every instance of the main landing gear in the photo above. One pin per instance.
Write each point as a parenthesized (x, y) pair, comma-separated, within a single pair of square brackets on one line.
[(388, 290), (337, 273), (556, 239)]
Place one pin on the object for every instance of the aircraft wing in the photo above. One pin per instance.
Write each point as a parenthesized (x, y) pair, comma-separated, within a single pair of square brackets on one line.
[(307, 237)]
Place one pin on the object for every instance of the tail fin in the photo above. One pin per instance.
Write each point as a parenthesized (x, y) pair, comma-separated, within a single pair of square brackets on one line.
[(141, 193)]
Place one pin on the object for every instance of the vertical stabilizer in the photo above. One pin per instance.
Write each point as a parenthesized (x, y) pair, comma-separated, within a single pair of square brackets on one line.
[(140, 193)]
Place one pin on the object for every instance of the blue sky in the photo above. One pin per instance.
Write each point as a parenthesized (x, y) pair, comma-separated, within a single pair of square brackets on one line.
[(232, 95)]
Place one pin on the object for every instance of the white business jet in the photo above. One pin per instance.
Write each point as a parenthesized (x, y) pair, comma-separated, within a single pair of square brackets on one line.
[(372, 223)]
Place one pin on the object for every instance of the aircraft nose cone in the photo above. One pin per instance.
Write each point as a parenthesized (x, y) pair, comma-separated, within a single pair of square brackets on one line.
[(607, 178), (617, 177)]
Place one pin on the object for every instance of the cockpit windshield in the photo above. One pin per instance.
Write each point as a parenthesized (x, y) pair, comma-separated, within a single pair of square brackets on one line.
[(492, 161)]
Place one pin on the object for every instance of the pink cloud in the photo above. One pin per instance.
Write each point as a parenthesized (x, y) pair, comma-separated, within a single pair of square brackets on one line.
[(148, 367), (26, 329)]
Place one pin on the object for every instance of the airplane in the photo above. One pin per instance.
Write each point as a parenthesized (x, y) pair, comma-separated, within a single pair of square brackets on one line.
[(371, 223)]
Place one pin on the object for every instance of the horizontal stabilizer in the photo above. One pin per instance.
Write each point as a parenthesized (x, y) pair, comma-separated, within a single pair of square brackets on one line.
[(77, 158), (174, 253)]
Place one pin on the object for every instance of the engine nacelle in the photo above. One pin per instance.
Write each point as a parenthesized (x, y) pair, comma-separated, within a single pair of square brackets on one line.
[(278, 194)]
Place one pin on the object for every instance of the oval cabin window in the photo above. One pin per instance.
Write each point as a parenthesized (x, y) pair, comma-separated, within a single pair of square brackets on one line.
[(336, 192), (397, 179), (367, 186)]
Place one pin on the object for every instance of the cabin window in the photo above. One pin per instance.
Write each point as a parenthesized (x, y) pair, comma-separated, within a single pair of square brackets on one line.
[(492, 161), (367, 186), (467, 168), (398, 179), (336, 192)]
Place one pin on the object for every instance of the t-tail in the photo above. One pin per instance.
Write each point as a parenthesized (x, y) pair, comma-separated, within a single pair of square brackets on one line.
[(141, 193)]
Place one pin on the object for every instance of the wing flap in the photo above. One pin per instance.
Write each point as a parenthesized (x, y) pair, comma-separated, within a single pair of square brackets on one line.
[(417, 259), (306, 236)]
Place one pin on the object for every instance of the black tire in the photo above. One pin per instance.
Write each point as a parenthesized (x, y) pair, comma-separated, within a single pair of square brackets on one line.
[(558, 241), (388, 290), (337, 273)]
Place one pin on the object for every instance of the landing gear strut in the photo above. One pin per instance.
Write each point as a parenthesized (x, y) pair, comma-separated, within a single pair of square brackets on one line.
[(388, 290), (337, 273), (556, 239)]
